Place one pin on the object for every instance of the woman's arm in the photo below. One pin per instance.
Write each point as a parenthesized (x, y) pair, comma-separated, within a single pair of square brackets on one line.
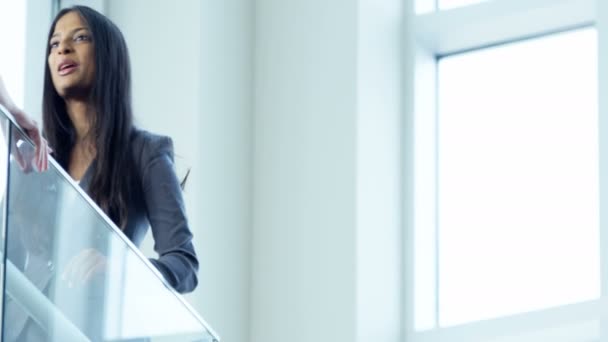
[(29, 126), (167, 215)]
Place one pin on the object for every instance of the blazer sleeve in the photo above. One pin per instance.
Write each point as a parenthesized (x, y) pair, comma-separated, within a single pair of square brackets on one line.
[(177, 260)]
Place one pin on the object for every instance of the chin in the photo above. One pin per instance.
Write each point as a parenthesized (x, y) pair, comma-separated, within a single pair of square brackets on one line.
[(73, 91)]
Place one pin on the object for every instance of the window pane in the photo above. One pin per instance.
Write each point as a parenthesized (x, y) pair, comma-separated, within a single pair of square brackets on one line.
[(12, 57), (518, 178), (448, 4)]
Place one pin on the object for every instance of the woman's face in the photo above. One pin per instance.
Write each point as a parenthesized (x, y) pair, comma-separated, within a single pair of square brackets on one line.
[(71, 59)]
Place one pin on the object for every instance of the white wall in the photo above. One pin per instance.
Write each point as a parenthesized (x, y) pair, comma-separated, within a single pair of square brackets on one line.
[(327, 191), (39, 18), (98, 5), (303, 273), (226, 108), (191, 64), (13, 28)]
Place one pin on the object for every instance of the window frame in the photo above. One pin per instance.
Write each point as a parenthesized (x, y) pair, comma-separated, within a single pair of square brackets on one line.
[(431, 34)]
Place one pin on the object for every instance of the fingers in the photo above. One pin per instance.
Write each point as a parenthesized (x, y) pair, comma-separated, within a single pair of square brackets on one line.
[(40, 144), (74, 275), (38, 158), (22, 156), (75, 264), (43, 155), (30, 126), (20, 160), (28, 159), (41, 161), (96, 268), (42, 149), (81, 268)]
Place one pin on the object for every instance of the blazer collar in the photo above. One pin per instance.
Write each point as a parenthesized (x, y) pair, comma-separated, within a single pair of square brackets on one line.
[(85, 181)]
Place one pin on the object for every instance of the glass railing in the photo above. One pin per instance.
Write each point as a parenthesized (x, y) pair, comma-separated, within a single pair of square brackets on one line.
[(67, 272)]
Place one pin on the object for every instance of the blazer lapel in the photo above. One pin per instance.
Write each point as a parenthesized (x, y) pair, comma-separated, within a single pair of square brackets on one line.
[(85, 182)]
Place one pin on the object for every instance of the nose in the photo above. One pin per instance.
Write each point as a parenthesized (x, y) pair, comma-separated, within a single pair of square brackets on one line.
[(64, 48)]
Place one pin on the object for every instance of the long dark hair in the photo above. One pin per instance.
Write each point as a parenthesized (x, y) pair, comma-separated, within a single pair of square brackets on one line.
[(112, 124)]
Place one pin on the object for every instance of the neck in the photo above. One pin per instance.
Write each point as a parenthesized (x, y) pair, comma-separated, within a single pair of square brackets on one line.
[(80, 114)]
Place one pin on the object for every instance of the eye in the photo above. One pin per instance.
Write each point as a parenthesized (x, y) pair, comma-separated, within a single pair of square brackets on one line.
[(53, 44), (81, 37)]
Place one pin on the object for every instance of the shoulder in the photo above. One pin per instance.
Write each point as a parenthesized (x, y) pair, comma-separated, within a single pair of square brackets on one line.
[(149, 151), (146, 145)]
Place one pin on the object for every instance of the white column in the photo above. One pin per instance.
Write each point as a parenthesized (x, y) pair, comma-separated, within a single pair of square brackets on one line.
[(304, 208), (327, 171), (225, 165), (39, 20), (602, 25), (379, 159)]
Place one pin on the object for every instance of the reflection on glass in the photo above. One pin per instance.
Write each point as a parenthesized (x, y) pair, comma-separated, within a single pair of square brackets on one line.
[(72, 276), (518, 178)]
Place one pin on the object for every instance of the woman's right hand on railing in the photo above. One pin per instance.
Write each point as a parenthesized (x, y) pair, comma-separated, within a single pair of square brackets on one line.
[(31, 128), (42, 148)]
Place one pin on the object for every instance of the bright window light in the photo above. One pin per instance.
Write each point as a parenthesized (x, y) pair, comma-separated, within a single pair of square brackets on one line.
[(12, 55), (449, 4), (518, 212)]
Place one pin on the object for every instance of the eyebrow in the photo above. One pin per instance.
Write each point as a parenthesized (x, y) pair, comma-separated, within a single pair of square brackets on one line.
[(72, 32)]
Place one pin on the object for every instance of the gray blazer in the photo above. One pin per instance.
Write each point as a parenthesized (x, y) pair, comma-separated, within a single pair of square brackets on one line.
[(157, 202)]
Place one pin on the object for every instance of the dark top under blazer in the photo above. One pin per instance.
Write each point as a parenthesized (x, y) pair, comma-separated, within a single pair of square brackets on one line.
[(156, 201)]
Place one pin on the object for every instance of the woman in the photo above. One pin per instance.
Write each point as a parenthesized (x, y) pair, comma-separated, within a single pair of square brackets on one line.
[(87, 119), (128, 172)]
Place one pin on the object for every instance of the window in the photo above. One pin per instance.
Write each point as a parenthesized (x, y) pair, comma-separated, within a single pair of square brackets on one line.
[(518, 178), (449, 4), (506, 171)]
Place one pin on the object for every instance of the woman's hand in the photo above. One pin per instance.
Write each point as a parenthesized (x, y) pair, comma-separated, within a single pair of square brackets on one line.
[(31, 128), (83, 267), (42, 148)]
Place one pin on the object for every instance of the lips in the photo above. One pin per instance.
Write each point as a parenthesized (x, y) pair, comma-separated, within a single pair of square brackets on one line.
[(66, 67)]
